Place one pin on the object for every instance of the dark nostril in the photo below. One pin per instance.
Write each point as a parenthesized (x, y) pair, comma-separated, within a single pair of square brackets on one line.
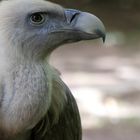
[(73, 17)]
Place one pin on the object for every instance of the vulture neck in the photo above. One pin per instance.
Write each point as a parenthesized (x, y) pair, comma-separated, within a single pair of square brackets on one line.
[(30, 90), (26, 96)]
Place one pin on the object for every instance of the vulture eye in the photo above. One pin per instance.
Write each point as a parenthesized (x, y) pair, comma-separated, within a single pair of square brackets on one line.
[(37, 18)]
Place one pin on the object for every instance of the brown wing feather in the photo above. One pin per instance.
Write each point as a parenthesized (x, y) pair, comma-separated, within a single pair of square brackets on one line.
[(68, 127)]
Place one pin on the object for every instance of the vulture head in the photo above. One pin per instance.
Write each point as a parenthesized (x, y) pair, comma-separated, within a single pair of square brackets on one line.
[(36, 27)]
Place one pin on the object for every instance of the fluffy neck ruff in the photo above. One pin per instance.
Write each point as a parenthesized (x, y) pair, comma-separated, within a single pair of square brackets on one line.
[(30, 90)]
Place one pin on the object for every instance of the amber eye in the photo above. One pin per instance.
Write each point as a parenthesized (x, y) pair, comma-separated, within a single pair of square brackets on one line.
[(37, 18)]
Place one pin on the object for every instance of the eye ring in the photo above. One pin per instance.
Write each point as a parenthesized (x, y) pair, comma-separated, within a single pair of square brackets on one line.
[(37, 18)]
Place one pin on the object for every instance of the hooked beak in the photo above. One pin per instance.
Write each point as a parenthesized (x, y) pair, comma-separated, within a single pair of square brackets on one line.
[(85, 24), (75, 26)]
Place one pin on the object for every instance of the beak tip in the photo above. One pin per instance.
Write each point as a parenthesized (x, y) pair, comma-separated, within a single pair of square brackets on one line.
[(101, 34), (104, 38)]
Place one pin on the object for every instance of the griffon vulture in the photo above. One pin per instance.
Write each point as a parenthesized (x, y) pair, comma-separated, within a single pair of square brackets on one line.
[(35, 104)]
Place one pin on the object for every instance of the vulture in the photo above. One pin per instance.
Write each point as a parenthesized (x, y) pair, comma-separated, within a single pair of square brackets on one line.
[(35, 104)]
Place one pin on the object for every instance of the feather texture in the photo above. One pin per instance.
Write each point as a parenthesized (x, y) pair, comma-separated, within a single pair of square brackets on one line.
[(68, 124)]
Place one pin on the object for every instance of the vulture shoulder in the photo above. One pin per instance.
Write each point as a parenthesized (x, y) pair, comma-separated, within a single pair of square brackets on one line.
[(62, 121)]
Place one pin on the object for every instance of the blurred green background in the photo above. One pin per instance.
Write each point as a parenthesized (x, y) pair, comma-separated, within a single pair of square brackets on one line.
[(105, 78)]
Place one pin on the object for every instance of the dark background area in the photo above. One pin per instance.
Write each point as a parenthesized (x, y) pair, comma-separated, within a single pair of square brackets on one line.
[(105, 78)]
